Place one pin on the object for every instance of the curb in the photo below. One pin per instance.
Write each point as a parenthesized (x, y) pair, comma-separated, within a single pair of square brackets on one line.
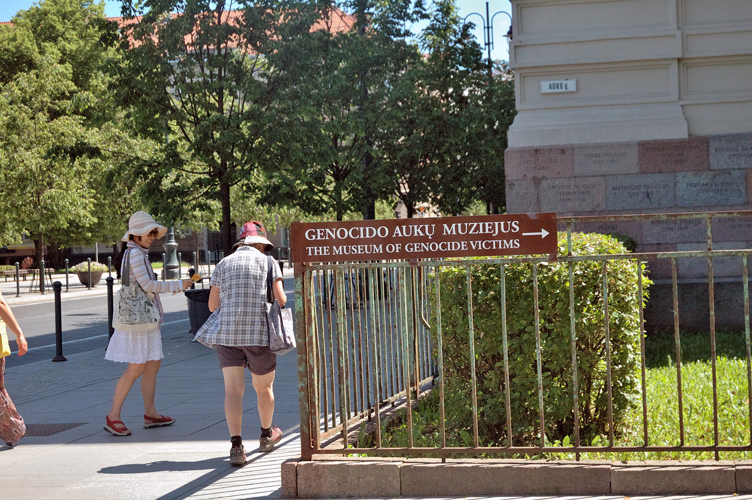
[(329, 477)]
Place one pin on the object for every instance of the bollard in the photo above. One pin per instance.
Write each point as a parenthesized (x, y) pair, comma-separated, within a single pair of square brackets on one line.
[(195, 264), (88, 286), (164, 266), (67, 283), (191, 271), (57, 287), (109, 266), (41, 277), (110, 310), (18, 281), (180, 265)]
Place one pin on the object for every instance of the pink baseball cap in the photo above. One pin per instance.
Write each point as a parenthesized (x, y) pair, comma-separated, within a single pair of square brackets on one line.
[(253, 232)]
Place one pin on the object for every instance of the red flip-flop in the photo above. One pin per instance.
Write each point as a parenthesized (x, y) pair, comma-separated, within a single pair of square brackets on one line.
[(160, 421), (116, 427)]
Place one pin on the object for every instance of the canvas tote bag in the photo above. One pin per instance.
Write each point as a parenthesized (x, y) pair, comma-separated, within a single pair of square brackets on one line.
[(279, 321), (134, 310)]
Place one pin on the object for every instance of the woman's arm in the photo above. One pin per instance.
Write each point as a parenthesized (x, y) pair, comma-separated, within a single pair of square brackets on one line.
[(279, 292), (10, 320), (140, 273), (278, 289), (213, 298)]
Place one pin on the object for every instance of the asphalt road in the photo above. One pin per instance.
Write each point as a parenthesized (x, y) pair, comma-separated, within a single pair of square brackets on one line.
[(85, 325)]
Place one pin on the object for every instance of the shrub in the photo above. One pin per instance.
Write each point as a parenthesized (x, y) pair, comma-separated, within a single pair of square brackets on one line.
[(555, 340), (83, 267), (27, 263)]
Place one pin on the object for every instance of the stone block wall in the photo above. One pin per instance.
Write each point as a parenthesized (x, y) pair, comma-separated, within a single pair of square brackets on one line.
[(698, 174)]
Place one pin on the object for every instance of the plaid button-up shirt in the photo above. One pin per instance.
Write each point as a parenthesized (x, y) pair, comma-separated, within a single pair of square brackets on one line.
[(240, 319)]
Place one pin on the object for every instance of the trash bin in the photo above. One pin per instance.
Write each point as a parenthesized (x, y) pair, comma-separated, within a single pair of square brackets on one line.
[(198, 307)]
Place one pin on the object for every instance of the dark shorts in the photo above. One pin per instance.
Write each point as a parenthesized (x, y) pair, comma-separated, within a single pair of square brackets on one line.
[(259, 359)]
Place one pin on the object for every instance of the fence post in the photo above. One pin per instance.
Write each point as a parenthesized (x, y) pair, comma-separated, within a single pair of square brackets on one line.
[(109, 266), (164, 266), (195, 264), (41, 277), (18, 281), (67, 287), (180, 265), (110, 309), (57, 287), (88, 260)]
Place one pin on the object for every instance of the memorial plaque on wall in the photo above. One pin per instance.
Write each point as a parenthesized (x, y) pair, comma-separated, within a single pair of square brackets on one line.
[(606, 159), (674, 231), (731, 151), (538, 163), (717, 188), (424, 238), (638, 192), (584, 194), (676, 155)]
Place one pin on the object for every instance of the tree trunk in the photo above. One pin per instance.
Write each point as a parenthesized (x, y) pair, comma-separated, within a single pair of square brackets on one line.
[(38, 250), (224, 197), (54, 257)]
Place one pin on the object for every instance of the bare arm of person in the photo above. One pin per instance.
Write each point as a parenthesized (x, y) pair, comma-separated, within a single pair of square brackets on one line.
[(279, 292), (213, 298), (6, 314), (140, 272)]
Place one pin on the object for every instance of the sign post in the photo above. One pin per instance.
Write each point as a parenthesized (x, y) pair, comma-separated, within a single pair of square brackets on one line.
[(424, 238)]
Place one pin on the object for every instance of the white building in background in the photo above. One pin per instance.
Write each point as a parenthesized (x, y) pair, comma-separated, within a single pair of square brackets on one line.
[(635, 106)]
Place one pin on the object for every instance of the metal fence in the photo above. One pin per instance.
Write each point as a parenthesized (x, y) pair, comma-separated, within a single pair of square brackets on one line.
[(371, 342)]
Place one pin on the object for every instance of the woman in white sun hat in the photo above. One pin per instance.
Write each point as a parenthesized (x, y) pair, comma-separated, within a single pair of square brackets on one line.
[(141, 350)]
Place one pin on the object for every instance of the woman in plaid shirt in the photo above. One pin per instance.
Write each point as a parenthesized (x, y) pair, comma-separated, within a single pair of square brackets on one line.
[(237, 328)]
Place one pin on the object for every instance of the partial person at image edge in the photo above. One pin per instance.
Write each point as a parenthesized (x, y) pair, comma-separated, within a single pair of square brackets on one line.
[(12, 425)]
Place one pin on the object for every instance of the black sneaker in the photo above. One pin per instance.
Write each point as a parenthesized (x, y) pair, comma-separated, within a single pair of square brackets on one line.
[(237, 455), (266, 443)]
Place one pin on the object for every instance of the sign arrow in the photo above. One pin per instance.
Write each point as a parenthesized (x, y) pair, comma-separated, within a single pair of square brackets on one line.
[(543, 233)]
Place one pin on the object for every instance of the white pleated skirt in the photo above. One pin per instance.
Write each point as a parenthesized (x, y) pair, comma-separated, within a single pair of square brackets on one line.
[(135, 347)]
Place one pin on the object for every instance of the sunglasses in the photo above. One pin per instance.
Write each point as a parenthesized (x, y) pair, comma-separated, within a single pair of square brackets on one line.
[(153, 233)]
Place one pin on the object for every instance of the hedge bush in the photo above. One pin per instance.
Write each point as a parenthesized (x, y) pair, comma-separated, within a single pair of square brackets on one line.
[(553, 283)]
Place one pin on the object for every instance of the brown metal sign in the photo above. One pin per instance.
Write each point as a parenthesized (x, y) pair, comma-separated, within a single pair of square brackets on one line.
[(424, 238)]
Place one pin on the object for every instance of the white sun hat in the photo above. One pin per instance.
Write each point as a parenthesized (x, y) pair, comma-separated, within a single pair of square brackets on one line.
[(141, 224)]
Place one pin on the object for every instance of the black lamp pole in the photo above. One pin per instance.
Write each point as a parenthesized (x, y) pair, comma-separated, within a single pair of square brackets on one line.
[(488, 36)]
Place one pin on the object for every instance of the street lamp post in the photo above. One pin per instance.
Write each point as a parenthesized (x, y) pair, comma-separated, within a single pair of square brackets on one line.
[(171, 265), (488, 35)]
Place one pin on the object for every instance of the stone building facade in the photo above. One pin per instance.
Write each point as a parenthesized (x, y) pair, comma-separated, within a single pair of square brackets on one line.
[(635, 106)]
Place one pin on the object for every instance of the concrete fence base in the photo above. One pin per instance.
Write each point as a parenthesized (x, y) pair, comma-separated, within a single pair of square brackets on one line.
[(392, 478)]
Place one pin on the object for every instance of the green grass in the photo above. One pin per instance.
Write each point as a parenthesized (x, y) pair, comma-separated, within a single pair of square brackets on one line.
[(661, 351), (662, 405)]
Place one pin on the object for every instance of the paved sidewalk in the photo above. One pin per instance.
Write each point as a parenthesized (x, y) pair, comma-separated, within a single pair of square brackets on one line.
[(67, 454)]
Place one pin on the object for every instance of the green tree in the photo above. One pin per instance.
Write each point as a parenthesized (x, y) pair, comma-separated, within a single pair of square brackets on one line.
[(462, 143), (332, 117), (494, 112), (202, 80), (54, 111)]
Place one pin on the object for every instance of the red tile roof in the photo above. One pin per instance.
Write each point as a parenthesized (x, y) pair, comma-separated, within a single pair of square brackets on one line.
[(339, 21)]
